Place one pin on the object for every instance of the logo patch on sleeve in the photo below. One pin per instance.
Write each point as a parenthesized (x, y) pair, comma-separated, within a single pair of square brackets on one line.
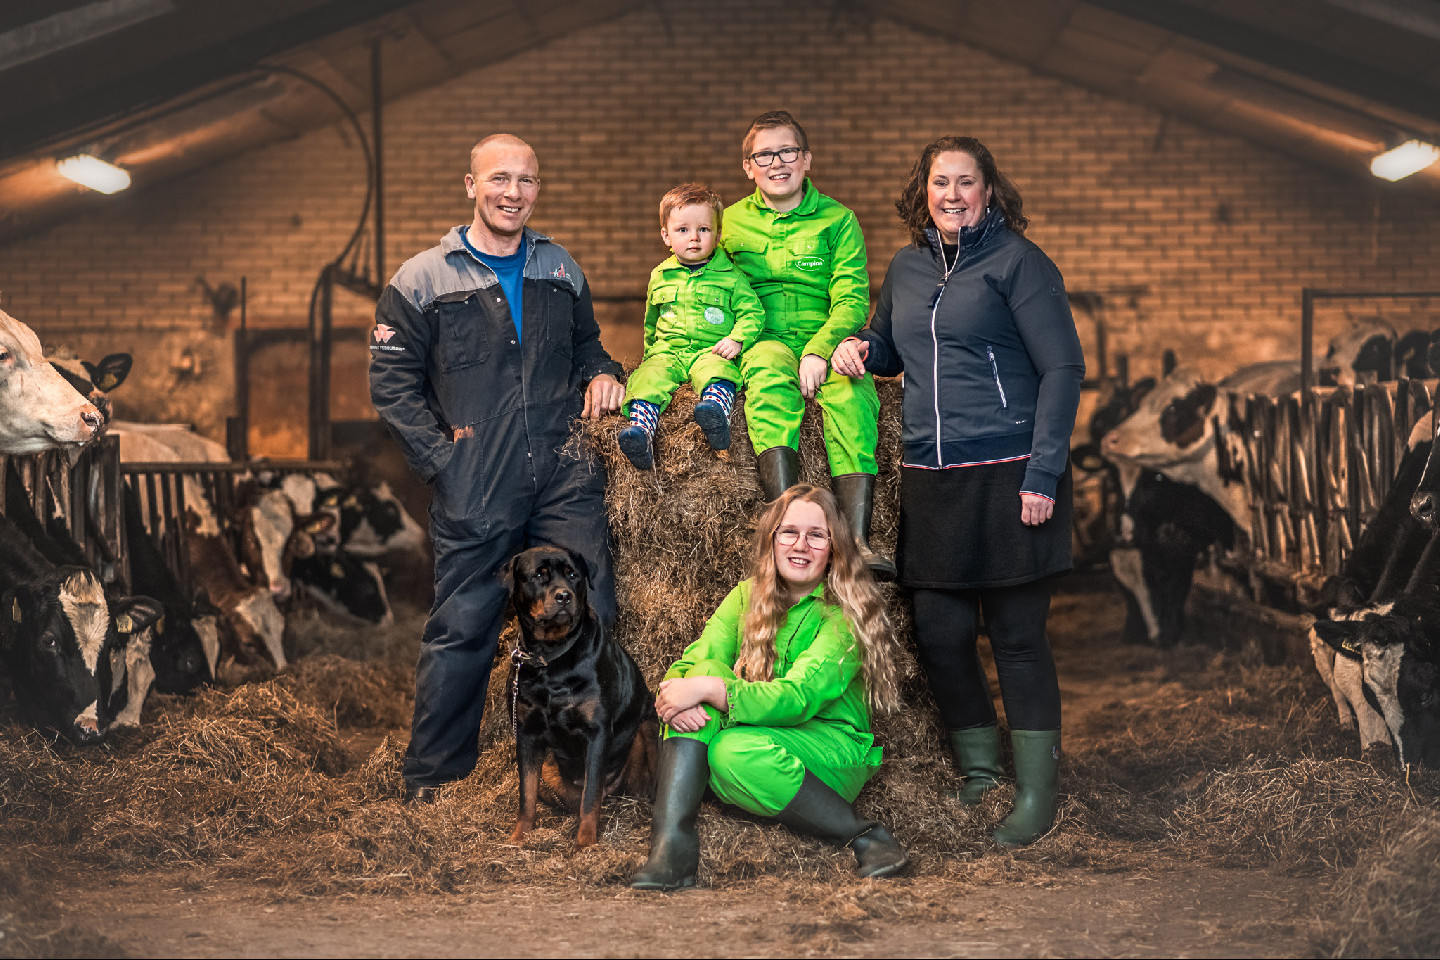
[(383, 333)]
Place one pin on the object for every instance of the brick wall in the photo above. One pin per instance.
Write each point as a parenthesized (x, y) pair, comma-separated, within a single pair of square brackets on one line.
[(1198, 241)]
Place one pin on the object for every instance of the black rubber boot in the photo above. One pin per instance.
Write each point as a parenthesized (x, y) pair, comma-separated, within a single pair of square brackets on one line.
[(638, 445), (779, 470), (682, 773), (1037, 787), (977, 755), (818, 811), (855, 492)]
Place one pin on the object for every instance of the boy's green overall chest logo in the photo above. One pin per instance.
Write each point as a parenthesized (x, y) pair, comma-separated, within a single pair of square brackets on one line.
[(714, 315), (809, 263)]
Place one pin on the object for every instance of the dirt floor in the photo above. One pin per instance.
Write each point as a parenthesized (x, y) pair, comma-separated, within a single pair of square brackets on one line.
[(1148, 858)]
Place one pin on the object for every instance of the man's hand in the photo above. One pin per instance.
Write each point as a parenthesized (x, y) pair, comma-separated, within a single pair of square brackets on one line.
[(728, 348), (602, 396), (813, 371), (849, 358), (1035, 509)]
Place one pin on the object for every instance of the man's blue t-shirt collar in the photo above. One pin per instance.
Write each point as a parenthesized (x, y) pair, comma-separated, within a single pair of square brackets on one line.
[(510, 271)]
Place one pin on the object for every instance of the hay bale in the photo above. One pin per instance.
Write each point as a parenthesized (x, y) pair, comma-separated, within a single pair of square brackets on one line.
[(1385, 904)]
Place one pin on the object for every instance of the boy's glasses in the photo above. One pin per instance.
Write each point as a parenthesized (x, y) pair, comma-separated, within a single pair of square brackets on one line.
[(814, 539), (766, 157)]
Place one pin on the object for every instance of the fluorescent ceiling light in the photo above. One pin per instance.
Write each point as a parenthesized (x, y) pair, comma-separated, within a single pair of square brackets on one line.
[(1412, 156), (94, 173)]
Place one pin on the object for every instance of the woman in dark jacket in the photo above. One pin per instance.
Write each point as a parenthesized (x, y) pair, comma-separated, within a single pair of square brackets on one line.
[(977, 319)]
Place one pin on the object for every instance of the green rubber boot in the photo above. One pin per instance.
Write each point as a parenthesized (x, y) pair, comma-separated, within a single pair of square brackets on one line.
[(855, 493), (818, 811), (681, 776), (977, 755), (1037, 776), (779, 470)]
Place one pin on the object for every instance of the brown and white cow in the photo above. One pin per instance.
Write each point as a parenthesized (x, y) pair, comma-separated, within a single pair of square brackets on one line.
[(38, 409)]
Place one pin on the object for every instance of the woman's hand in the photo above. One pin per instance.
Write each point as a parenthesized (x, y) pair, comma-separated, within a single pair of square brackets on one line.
[(679, 695), (813, 371), (689, 721), (849, 358), (1035, 509)]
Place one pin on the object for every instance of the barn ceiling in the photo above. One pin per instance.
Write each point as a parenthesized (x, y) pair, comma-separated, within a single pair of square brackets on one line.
[(164, 87)]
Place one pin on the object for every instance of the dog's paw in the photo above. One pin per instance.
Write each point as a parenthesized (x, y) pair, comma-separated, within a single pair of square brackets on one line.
[(586, 835), (517, 836)]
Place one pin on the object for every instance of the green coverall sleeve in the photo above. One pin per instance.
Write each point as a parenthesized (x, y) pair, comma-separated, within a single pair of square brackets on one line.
[(652, 314), (748, 312), (849, 289), (720, 640), (819, 676)]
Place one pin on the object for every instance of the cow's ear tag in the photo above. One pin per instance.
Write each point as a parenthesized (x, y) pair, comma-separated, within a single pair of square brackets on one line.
[(124, 624), (160, 624), (15, 609), (337, 571), (352, 501), (106, 382)]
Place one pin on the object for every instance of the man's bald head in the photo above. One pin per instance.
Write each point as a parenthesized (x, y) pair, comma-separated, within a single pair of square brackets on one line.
[(499, 141)]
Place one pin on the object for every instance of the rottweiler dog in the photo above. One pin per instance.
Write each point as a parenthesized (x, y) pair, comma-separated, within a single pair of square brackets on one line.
[(584, 720)]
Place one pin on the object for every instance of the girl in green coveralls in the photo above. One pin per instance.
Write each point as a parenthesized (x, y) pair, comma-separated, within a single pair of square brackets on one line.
[(770, 707)]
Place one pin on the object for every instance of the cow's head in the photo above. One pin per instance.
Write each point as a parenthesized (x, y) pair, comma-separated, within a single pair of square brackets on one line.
[(1398, 646), (38, 409), (373, 521), (56, 637), (272, 536), (1171, 422), (94, 381), (350, 585), (1362, 354)]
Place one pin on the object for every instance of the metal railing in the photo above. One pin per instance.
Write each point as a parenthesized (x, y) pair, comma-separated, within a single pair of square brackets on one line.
[(1318, 464)]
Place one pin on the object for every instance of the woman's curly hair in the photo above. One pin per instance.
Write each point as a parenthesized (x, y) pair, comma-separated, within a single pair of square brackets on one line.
[(913, 205)]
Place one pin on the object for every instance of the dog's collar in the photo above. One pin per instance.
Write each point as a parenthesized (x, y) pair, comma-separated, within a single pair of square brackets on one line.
[(520, 655)]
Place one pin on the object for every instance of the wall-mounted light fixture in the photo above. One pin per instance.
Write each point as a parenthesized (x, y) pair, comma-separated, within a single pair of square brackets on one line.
[(92, 172), (1412, 156)]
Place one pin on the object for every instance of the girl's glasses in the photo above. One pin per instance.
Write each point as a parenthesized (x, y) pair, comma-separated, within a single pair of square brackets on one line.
[(814, 539)]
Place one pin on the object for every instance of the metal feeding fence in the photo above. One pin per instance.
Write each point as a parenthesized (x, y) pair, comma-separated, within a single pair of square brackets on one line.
[(84, 498), (166, 491), (1318, 464)]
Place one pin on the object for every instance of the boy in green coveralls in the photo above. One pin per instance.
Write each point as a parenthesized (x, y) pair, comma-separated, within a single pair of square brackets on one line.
[(700, 315), (805, 256)]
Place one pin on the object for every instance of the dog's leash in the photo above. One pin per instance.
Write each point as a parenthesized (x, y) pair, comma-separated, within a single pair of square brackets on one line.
[(518, 657)]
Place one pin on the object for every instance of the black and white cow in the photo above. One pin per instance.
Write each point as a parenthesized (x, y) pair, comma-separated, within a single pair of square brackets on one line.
[(1394, 567), (1365, 353), (1397, 648), (58, 639), (38, 409), (93, 381), (1161, 527), (346, 584)]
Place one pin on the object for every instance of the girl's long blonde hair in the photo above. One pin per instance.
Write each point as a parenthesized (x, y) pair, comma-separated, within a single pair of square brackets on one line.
[(848, 584)]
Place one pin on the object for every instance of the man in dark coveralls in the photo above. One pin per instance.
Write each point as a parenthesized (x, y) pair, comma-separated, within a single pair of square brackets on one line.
[(485, 349)]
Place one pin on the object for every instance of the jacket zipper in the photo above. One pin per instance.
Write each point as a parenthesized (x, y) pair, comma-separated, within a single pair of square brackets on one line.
[(995, 369)]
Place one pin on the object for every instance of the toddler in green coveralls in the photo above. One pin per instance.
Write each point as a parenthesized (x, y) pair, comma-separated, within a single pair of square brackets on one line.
[(700, 315), (770, 707)]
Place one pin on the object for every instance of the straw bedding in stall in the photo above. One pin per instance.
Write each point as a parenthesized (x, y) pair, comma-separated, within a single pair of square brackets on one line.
[(280, 781)]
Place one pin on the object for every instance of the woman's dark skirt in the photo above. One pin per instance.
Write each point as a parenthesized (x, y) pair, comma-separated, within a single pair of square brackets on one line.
[(960, 529)]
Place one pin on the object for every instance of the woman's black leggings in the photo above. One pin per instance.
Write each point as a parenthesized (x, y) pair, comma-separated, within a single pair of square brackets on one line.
[(946, 625)]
